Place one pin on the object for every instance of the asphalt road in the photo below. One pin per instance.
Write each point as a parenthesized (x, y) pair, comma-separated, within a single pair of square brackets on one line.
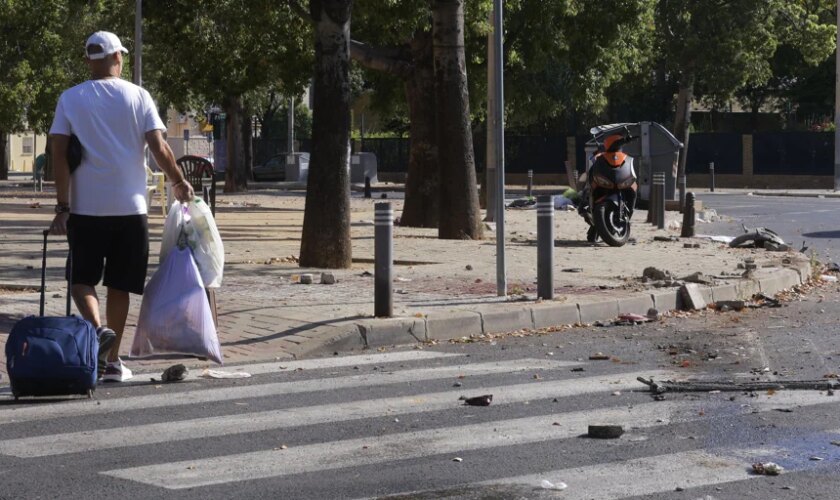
[(391, 423), (812, 221)]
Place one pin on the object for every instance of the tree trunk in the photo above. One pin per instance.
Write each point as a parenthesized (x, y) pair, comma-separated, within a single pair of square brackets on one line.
[(236, 178), (4, 164), (460, 215), (326, 221), (682, 123), (423, 180)]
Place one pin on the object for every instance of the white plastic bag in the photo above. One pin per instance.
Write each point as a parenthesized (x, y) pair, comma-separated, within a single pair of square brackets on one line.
[(175, 316), (202, 237)]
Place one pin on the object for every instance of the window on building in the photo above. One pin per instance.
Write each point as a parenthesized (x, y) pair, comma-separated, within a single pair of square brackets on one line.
[(26, 146)]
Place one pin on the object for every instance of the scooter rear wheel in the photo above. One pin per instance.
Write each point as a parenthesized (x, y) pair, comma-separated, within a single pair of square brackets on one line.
[(613, 228)]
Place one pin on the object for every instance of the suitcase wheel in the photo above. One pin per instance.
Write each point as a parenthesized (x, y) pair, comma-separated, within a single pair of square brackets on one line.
[(90, 394)]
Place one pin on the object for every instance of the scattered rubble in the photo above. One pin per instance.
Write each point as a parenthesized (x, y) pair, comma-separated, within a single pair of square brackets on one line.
[(767, 469), (692, 297), (654, 274), (605, 431), (484, 400)]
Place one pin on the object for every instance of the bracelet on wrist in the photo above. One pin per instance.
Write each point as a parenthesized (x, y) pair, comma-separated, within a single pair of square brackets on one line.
[(61, 208)]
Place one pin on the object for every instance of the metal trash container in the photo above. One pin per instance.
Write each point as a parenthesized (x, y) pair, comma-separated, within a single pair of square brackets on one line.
[(363, 165), (297, 167), (656, 150)]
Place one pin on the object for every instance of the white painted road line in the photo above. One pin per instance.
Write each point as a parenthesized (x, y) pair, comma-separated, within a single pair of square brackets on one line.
[(439, 441), (90, 407), (139, 435), (375, 450), (646, 476), (311, 364)]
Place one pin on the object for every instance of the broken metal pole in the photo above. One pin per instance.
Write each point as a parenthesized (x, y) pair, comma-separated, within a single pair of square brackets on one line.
[(545, 247), (383, 221)]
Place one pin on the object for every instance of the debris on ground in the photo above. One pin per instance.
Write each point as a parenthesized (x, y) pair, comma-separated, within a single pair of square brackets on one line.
[(729, 305), (561, 202), (767, 469), (484, 400), (653, 314), (698, 277), (716, 238), (174, 373), (631, 319), (457, 459), (732, 386), (829, 278), (666, 238), (328, 278), (605, 431), (691, 245), (599, 356), (758, 238), (548, 485), (208, 373), (523, 203), (572, 270), (305, 279), (654, 274)]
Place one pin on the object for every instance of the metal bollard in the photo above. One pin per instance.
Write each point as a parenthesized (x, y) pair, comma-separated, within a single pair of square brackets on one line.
[(682, 189), (530, 183), (659, 188), (367, 188), (688, 217), (545, 247), (712, 177), (383, 221)]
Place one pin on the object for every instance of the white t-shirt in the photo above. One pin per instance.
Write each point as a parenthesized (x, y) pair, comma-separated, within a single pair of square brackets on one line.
[(110, 117)]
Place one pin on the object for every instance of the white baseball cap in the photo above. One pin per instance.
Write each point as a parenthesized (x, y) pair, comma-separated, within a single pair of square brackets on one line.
[(109, 42)]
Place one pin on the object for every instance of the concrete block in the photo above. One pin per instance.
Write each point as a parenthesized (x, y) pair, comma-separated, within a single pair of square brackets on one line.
[(778, 280), (452, 325), (724, 292), (546, 315), (747, 288), (692, 296), (393, 331), (598, 311), (802, 268), (666, 301), (506, 320), (638, 304)]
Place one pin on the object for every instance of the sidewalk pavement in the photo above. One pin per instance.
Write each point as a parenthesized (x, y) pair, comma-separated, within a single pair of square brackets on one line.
[(443, 289)]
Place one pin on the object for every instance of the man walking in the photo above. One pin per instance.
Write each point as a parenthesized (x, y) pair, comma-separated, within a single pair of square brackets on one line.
[(101, 206)]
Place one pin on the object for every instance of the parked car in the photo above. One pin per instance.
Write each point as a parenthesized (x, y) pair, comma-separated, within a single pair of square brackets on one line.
[(274, 169)]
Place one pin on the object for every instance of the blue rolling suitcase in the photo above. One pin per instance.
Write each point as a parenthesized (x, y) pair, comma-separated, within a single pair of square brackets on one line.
[(52, 356)]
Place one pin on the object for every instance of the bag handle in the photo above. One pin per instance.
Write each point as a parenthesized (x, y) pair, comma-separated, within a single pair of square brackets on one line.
[(44, 276)]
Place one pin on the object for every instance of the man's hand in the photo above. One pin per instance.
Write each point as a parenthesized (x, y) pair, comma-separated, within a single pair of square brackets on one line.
[(59, 224), (183, 192)]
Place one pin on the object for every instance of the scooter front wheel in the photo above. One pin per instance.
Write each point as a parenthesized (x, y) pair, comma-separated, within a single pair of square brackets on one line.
[(611, 224)]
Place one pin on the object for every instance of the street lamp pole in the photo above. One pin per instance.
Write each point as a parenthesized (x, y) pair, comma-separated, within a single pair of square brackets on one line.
[(499, 129), (837, 107), (138, 43)]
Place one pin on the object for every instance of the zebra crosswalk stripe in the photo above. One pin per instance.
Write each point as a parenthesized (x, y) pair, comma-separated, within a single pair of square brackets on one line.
[(138, 435), (87, 407), (411, 445)]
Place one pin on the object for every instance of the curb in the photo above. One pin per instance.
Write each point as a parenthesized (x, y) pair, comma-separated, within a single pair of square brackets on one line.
[(796, 195), (375, 333)]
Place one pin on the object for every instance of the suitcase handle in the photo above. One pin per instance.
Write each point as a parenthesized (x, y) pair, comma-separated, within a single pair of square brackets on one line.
[(44, 276)]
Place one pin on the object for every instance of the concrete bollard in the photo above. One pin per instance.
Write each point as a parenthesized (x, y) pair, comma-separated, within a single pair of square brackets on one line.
[(368, 193), (545, 247), (659, 200), (530, 183), (688, 217), (712, 177), (383, 221)]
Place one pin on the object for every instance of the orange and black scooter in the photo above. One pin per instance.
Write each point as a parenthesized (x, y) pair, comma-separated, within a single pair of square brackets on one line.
[(609, 193)]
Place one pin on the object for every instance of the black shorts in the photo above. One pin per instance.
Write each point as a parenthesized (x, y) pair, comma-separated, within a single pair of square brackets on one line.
[(119, 245)]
